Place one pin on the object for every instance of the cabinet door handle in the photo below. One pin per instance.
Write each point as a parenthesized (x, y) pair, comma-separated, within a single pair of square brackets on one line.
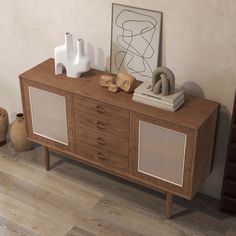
[(100, 125), (100, 109), (101, 141), (101, 156)]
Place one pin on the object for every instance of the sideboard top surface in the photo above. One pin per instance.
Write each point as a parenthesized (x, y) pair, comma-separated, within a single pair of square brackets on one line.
[(192, 114)]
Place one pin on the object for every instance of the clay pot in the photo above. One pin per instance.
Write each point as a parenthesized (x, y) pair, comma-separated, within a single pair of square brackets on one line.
[(4, 123), (18, 134)]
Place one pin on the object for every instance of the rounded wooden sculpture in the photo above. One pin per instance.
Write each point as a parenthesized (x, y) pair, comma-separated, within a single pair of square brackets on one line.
[(113, 88), (126, 82), (163, 81), (106, 80)]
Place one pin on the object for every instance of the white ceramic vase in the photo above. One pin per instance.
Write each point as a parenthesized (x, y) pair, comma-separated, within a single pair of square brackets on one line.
[(74, 61)]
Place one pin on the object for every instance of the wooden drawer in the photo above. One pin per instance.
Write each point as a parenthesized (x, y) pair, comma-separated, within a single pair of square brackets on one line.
[(101, 117), (100, 141), (109, 160)]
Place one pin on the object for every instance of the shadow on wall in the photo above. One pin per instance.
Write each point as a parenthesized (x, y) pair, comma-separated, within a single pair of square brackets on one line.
[(97, 58), (193, 89), (223, 131), (214, 182)]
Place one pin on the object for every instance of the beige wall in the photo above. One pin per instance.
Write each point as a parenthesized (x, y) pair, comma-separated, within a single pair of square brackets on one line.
[(199, 46)]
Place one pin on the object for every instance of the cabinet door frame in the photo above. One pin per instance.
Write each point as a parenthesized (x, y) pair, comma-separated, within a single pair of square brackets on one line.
[(25, 84), (183, 190)]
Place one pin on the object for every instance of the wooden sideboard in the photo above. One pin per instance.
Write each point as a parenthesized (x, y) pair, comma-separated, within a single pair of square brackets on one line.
[(171, 152)]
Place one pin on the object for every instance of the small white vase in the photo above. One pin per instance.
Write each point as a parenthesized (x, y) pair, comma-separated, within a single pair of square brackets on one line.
[(75, 62)]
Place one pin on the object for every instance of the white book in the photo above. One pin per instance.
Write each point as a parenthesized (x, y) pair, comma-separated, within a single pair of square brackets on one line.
[(150, 102), (145, 89), (161, 103), (164, 103)]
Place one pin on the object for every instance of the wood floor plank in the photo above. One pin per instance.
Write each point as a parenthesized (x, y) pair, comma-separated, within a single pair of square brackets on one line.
[(144, 222), (51, 182), (75, 200), (9, 228), (77, 231), (100, 225), (30, 218), (62, 209), (202, 223)]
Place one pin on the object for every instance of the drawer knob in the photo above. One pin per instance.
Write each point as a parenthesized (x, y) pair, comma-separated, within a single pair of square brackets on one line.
[(100, 125), (101, 141), (101, 156), (100, 109)]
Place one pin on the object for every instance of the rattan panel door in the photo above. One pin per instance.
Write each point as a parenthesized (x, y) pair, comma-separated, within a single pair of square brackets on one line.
[(161, 153), (48, 114)]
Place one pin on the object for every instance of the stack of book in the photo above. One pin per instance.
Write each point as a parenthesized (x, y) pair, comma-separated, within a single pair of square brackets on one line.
[(144, 94)]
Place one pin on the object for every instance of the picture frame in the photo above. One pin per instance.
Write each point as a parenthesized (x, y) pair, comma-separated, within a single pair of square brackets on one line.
[(135, 41)]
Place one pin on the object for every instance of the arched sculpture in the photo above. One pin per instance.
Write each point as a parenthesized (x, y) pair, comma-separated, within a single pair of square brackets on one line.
[(163, 81), (74, 61)]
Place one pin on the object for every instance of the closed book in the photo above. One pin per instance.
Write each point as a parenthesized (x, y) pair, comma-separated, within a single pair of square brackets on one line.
[(164, 103), (145, 89), (150, 102)]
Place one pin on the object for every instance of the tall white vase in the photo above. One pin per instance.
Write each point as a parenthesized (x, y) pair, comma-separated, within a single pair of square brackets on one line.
[(74, 61)]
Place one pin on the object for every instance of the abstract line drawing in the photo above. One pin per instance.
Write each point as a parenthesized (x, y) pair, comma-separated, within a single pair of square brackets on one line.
[(135, 41)]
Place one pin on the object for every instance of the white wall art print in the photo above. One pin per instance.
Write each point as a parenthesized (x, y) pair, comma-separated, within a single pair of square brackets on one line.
[(135, 41)]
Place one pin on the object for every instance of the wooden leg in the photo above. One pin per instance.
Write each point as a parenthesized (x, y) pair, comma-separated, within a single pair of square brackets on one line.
[(46, 158), (169, 203)]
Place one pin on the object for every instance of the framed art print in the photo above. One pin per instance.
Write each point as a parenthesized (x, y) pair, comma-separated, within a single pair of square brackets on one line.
[(135, 41)]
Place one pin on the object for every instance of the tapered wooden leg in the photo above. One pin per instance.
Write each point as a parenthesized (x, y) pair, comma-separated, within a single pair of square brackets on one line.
[(46, 158), (169, 204)]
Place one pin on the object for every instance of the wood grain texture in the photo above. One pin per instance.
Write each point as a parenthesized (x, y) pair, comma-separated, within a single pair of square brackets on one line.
[(183, 191), (10, 228), (202, 163), (104, 158), (31, 218), (192, 114), (28, 115), (77, 231), (50, 182), (101, 117), (42, 200), (105, 143), (169, 205), (46, 158), (93, 113), (123, 209)]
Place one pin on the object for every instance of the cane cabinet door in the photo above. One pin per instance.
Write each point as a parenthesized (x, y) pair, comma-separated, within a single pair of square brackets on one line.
[(48, 114), (161, 154)]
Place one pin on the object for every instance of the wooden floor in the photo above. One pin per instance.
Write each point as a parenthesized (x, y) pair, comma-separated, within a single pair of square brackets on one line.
[(75, 200)]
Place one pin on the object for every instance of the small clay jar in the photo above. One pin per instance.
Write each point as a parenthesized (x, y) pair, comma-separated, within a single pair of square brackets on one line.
[(4, 123), (18, 134)]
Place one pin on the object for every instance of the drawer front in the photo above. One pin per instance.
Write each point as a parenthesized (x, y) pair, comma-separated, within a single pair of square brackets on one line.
[(104, 158), (101, 117), (100, 141)]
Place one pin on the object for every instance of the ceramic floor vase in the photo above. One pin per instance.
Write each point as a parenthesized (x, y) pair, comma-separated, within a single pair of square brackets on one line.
[(18, 134), (4, 123)]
